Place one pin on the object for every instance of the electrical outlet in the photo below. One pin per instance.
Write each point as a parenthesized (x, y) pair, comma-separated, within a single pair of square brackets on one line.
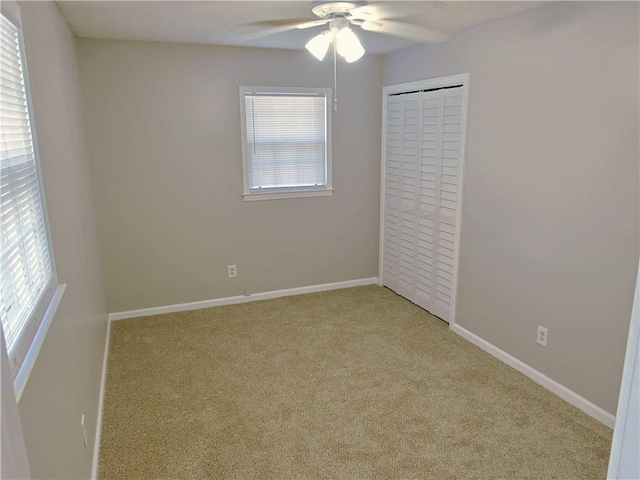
[(232, 271), (247, 292), (84, 431), (543, 334)]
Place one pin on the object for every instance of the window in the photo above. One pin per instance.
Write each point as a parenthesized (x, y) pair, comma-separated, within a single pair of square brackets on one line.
[(286, 142), (27, 277)]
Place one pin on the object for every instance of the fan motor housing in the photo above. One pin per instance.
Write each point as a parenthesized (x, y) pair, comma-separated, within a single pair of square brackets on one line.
[(325, 9)]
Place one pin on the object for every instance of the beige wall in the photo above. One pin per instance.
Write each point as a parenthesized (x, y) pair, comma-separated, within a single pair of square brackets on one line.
[(550, 226), (65, 381), (163, 124), (550, 216)]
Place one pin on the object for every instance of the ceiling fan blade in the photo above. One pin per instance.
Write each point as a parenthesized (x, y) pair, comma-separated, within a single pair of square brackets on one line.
[(281, 22), (404, 30), (314, 23), (382, 11), (265, 33)]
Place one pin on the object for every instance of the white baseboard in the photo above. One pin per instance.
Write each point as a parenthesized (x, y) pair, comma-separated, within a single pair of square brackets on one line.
[(563, 392), (183, 307), (103, 381)]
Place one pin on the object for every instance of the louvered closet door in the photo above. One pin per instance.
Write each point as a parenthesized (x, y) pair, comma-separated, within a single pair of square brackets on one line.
[(423, 144), (404, 118), (431, 147), (448, 185)]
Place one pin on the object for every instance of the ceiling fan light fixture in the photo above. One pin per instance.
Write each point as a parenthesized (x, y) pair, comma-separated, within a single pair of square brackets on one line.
[(348, 45), (319, 45)]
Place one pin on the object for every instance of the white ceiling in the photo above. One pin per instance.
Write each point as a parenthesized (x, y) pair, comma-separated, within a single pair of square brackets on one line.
[(223, 22)]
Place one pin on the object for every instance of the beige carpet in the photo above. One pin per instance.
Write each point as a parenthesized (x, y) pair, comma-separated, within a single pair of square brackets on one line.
[(350, 384)]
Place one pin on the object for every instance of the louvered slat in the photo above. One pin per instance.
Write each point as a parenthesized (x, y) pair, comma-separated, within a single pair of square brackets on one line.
[(430, 147), (393, 192), (411, 153)]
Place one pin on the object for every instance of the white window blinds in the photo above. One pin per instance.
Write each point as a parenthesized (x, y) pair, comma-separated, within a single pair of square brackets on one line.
[(26, 273), (286, 144)]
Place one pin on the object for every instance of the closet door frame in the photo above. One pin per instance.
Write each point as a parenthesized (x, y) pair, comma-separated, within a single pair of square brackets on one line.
[(440, 82)]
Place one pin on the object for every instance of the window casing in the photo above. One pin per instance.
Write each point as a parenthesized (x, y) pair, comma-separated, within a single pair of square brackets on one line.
[(286, 142), (27, 272)]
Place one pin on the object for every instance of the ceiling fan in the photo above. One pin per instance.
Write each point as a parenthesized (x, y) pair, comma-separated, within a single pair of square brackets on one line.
[(340, 16)]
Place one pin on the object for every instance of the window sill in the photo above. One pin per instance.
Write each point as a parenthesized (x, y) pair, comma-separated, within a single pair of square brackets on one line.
[(250, 197), (34, 349)]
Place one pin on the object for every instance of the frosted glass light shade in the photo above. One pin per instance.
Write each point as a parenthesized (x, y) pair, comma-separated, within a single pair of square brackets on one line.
[(319, 45), (348, 45)]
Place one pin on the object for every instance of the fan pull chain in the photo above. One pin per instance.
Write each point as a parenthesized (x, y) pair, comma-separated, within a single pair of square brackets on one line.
[(335, 78)]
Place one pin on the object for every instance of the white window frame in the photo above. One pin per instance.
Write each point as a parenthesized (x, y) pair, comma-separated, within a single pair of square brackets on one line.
[(44, 310), (292, 192)]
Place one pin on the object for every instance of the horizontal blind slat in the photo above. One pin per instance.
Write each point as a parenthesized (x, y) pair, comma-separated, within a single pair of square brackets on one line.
[(25, 263), (286, 140)]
